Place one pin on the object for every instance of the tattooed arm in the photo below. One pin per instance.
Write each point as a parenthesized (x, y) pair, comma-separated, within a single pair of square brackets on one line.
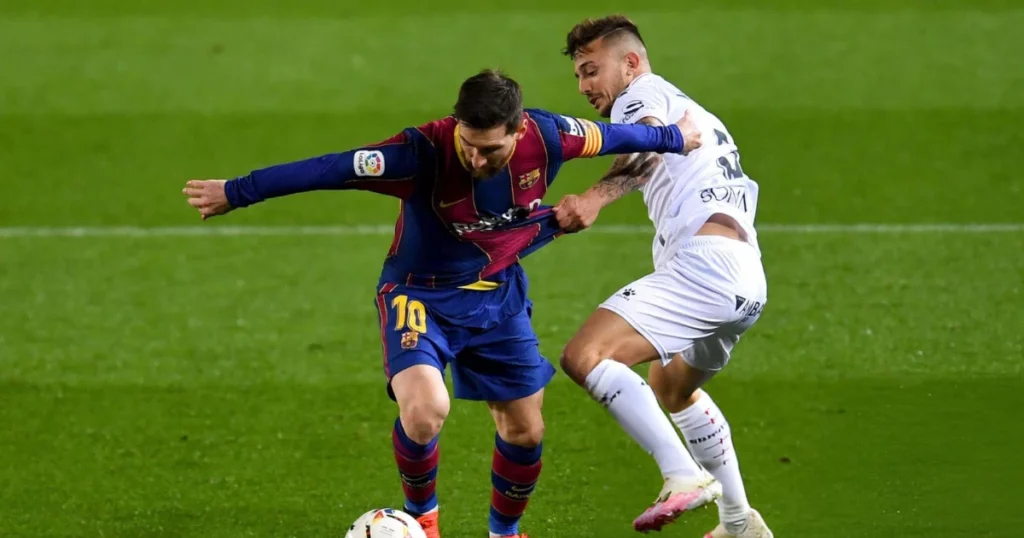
[(627, 174)]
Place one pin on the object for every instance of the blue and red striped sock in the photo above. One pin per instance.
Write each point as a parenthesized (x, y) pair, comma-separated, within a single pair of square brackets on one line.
[(417, 467), (514, 473)]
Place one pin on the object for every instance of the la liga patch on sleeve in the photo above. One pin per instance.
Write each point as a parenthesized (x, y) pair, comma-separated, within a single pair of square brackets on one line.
[(369, 163)]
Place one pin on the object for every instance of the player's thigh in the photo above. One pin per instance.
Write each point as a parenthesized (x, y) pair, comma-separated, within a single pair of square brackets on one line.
[(605, 334), (422, 397), (721, 280), (415, 352), (501, 364), (423, 402), (644, 321), (521, 421), (409, 334)]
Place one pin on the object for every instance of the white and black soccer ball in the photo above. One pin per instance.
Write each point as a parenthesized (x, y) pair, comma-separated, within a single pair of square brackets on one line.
[(385, 523)]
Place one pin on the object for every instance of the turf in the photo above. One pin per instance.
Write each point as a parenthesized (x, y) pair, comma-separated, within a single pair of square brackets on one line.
[(207, 386)]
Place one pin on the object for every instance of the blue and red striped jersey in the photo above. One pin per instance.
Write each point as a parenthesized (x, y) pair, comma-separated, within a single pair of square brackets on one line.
[(454, 230)]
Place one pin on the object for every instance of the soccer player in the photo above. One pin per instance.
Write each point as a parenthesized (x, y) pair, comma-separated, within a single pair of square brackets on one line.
[(708, 286), (452, 291)]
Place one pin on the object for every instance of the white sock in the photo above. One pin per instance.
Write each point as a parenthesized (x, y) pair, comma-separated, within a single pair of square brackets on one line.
[(710, 440), (628, 398)]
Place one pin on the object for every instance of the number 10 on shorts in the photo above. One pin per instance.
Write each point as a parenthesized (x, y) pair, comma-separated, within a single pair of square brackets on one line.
[(412, 312)]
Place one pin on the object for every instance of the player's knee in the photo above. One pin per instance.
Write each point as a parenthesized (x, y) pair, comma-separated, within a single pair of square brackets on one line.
[(422, 419), (526, 435), (579, 358)]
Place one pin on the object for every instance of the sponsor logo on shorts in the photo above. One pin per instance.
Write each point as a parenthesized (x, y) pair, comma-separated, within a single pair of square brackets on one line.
[(748, 308), (368, 163), (627, 293)]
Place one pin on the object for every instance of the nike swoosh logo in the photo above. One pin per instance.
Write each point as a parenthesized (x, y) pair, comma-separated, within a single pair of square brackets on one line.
[(446, 205)]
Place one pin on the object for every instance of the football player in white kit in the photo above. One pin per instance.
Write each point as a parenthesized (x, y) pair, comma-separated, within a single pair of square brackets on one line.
[(708, 286)]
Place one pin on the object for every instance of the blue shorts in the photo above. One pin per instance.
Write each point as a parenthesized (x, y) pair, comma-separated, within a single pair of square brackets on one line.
[(498, 362)]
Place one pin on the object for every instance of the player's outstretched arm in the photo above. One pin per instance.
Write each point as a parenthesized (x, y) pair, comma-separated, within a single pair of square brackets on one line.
[(387, 168), (627, 174), (680, 137), (583, 138)]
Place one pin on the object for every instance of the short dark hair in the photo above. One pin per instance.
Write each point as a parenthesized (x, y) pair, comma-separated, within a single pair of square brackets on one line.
[(590, 30), (489, 99)]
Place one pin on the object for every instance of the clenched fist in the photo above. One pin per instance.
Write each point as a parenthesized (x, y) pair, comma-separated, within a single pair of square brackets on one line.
[(575, 212)]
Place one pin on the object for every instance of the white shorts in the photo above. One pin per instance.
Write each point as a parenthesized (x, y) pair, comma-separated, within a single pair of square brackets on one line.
[(698, 303)]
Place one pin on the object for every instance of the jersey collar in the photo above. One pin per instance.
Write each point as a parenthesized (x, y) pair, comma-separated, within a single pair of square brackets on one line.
[(635, 80), (458, 148)]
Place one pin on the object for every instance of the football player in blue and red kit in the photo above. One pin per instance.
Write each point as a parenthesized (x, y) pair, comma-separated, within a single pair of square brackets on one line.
[(452, 291)]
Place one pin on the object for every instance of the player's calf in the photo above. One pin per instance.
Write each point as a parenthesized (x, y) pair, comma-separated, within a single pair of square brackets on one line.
[(706, 431), (417, 468), (676, 385), (423, 405), (599, 358), (515, 470), (516, 465)]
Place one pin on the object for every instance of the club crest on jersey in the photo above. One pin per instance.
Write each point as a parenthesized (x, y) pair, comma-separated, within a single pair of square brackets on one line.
[(528, 179), (410, 339), (368, 163)]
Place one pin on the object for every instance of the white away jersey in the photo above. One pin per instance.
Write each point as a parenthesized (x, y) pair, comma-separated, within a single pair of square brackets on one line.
[(686, 190)]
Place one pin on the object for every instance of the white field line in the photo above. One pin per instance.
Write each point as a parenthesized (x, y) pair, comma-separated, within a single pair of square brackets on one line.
[(387, 229)]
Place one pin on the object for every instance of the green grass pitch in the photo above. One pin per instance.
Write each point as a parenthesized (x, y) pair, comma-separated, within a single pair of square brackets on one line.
[(214, 386)]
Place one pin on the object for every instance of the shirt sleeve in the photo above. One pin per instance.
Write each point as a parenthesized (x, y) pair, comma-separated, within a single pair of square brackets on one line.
[(389, 167), (584, 138), (638, 103)]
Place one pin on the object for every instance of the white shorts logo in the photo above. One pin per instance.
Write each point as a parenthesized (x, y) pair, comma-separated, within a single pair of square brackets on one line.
[(368, 163)]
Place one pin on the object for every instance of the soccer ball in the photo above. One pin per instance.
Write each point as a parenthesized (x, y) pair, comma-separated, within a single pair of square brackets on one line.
[(385, 523)]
